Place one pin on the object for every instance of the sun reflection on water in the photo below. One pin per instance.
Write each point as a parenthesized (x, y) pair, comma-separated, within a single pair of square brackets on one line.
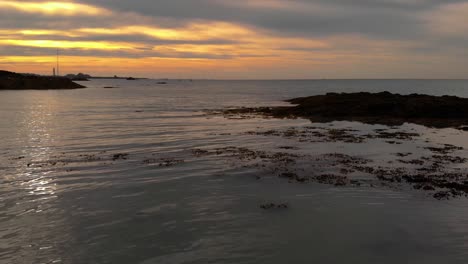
[(29, 190), (38, 135)]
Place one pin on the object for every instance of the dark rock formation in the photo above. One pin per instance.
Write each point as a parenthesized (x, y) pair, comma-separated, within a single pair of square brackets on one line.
[(267, 206), (379, 108), (15, 81)]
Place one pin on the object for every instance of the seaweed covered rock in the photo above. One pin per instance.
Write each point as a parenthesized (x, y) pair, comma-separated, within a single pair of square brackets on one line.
[(376, 108), (382, 104)]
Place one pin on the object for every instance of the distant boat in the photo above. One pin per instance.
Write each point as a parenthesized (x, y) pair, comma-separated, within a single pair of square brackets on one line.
[(131, 79)]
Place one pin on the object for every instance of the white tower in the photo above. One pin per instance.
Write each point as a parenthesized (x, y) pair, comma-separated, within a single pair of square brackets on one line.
[(58, 71)]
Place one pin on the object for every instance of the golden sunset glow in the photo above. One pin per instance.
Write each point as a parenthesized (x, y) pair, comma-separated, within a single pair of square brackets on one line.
[(67, 44), (176, 67), (196, 31), (53, 8), (33, 32), (246, 41)]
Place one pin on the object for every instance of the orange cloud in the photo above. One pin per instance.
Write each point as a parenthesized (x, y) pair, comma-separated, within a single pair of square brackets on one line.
[(54, 8), (253, 49), (88, 45), (194, 31), (239, 41), (10, 33)]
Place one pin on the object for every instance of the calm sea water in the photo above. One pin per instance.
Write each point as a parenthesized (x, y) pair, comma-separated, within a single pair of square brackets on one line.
[(65, 197)]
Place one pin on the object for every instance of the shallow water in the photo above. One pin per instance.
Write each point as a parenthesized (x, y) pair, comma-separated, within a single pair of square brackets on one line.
[(65, 197)]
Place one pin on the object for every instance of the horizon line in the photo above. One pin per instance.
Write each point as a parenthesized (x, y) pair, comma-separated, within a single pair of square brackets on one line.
[(274, 79)]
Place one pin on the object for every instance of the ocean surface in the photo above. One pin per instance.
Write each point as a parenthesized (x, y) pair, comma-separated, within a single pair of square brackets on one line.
[(112, 176)]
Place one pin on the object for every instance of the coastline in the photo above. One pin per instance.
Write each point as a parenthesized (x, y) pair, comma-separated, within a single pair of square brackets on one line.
[(15, 81)]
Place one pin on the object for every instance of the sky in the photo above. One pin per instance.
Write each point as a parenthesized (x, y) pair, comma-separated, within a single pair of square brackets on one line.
[(238, 39)]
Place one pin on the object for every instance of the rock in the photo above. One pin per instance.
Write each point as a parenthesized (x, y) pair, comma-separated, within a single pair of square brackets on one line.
[(340, 182), (442, 195), (119, 156), (289, 175), (301, 179), (288, 147), (200, 152), (268, 206), (428, 188), (15, 81), (375, 108)]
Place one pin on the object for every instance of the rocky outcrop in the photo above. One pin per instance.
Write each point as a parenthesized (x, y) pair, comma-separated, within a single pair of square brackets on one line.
[(376, 108), (15, 81)]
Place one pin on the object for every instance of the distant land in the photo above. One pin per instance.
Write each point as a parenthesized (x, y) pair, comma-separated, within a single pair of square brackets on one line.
[(17, 81), (85, 77), (118, 78)]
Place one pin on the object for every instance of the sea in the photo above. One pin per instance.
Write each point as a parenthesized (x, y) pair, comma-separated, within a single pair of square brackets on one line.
[(149, 171)]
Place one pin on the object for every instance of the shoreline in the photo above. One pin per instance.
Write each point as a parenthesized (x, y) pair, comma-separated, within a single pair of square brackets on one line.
[(15, 81)]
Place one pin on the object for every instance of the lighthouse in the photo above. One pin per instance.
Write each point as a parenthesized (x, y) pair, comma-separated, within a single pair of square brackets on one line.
[(58, 72)]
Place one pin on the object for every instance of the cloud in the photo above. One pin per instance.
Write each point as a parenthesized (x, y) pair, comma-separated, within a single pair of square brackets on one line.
[(290, 38), (449, 20), (382, 18), (53, 8)]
